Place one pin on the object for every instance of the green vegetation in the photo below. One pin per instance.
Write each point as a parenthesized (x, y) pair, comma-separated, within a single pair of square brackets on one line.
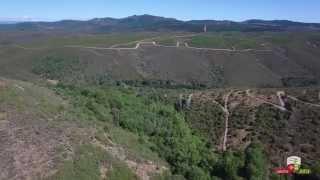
[(141, 117), (237, 165), (121, 172), (225, 41), (100, 40), (52, 67), (216, 76), (146, 124), (164, 131), (207, 120), (86, 165), (299, 81), (26, 96), (209, 41), (154, 121), (282, 39), (315, 170), (231, 165), (269, 121), (216, 80), (240, 117), (256, 163), (139, 147), (167, 41)]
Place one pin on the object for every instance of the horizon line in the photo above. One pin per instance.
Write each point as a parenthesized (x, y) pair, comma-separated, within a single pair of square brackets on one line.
[(33, 19)]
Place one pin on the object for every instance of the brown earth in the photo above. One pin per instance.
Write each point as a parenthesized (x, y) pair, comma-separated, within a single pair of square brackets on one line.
[(28, 146), (143, 169)]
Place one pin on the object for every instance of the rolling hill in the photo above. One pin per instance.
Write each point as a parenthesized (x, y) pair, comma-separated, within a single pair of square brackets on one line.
[(155, 23), (270, 59), (154, 98)]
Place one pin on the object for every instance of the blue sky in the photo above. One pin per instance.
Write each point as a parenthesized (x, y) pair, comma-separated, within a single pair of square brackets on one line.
[(238, 10)]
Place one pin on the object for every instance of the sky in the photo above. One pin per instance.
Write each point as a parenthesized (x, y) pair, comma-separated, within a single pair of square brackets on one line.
[(236, 10)]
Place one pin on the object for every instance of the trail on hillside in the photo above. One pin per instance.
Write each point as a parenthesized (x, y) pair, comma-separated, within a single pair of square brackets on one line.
[(135, 42), (29, 48), (225, 109), (280, 95), (228, 50), (227, 114), (280, 107), (148, 41), (153, 43), (304, 102)]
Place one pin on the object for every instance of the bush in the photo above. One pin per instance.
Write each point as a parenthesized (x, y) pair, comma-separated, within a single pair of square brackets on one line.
[(52, 67), (167, 133), (83, 167), (232, 163), (256, 162)]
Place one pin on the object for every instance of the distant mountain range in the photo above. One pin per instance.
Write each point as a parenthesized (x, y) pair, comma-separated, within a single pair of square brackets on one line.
[(8, 22), (156, 23)]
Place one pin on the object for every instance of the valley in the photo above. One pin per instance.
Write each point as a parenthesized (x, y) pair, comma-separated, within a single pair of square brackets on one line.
[(155, 98)]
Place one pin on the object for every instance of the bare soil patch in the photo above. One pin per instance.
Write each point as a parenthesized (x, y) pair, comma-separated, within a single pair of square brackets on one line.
[(29, 147)]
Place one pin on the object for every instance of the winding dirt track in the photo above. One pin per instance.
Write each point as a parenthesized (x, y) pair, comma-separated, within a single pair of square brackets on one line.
[(26, 48), (227, 114), (304, 102), (282, 108), (153, 43), (149, 41), (227, 50)]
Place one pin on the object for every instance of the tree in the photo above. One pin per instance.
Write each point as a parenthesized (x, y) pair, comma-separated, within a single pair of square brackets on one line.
[(232, 163), (255, 162)]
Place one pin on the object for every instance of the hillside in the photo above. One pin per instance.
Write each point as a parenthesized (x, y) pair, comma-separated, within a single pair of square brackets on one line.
[(44, 137), (153, 98), (102, 132), (195, 60), (258, 114)]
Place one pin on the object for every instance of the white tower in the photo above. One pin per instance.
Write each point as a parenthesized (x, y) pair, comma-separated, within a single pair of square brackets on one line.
[(205, 28)]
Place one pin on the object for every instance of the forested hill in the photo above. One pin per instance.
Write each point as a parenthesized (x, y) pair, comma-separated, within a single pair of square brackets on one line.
[(155, 23)]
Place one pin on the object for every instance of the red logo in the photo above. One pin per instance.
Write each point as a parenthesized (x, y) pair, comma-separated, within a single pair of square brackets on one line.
[(287, 170), (293, 167)]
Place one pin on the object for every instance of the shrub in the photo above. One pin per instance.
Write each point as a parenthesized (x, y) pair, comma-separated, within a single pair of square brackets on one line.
[(256, 162)]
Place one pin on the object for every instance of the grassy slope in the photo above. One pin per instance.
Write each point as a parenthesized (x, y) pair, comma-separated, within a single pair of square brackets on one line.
[(39, 106)]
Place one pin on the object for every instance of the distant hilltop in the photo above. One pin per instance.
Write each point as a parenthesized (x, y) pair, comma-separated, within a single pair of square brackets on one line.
[(156, 23)]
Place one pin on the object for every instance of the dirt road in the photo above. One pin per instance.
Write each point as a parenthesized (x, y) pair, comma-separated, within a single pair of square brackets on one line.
[(282, 108), (149, 41), (225, 109), (227, 114), (304, 102)]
